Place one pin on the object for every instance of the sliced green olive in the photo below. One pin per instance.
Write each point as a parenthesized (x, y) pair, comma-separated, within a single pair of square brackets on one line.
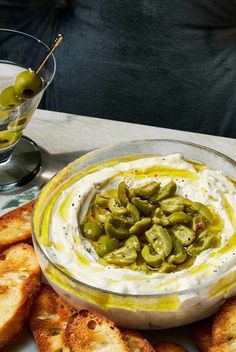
[(203, 210), (172, 205), (164, 192), (134, 213), (184, 234), (101, 200), (179, 218), (160, 240), (27, 84), (157, 212), (141, 226), (139, 266), (167, 268), (163, 221), (178, 254), (133, 242), (143, 205), (101, 214), (105, 244), (198, 224), (117, 227), (203, 242), (93, 230), (158, 217), (151, 258), (147, 190), (116, 207), (8, 98), (122, 194), (121, 257)]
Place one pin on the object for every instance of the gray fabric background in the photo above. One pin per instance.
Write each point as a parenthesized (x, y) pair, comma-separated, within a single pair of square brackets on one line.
[(160, 62)]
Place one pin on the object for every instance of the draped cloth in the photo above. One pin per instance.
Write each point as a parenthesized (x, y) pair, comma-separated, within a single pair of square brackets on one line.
[(166, 63)]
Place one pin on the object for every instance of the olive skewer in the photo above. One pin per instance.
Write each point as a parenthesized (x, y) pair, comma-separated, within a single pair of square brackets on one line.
[(27, 83), (57, 42)]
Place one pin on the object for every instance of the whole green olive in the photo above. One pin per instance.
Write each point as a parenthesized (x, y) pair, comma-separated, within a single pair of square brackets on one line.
[(19, 123), (27, 84), (7, 138), (8, 98)]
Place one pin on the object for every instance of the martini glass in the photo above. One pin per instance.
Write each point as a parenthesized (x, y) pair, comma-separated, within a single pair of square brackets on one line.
[(20, 158)]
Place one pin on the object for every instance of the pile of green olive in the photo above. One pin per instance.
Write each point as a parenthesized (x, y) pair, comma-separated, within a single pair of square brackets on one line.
[(148, 228), (27, 84)]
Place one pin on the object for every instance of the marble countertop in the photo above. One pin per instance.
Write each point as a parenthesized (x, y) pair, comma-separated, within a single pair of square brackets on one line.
[(64, 137)]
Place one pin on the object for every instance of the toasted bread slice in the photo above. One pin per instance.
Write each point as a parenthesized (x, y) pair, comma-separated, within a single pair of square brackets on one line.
[(92, 332), (168, 347), (15, 225), (224, 347), (48, 320), (202, 336), (19, 283), (224, 325), (223, 337), (136, 342)]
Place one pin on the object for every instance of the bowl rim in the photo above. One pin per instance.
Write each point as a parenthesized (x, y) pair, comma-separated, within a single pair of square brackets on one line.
[(120, 294), (16, 32)]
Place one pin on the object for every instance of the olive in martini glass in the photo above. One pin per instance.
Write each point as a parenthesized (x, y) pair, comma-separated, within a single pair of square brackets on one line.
[(27, 67)]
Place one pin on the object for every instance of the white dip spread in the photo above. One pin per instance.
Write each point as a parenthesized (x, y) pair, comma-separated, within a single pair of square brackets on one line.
[(66, 246)]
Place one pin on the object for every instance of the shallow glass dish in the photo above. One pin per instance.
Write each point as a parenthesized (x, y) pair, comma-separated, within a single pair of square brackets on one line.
[(144, 311)]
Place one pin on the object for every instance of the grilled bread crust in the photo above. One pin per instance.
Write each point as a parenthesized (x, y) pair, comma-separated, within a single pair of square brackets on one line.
[(15, 226), (202, 336), (223, 337), (136, 341), (48, 320), (90, 332), (19, 284)]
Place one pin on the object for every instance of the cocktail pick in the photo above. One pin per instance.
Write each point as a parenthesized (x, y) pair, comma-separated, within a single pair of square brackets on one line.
[(57, 42)]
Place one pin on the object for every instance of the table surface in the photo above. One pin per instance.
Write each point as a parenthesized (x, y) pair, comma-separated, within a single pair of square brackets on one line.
[(64, 137)]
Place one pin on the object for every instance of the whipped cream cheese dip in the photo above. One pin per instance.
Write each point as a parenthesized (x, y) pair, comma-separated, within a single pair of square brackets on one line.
[(62, 241)]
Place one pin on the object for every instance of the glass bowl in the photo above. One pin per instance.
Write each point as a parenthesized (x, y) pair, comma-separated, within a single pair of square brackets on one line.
[(131, 310)]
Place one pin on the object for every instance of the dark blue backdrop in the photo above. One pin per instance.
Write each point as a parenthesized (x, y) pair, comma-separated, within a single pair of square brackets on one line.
[(169, 63)]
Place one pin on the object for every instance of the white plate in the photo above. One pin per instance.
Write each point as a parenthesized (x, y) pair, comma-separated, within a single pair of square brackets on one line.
[(25, 343)]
